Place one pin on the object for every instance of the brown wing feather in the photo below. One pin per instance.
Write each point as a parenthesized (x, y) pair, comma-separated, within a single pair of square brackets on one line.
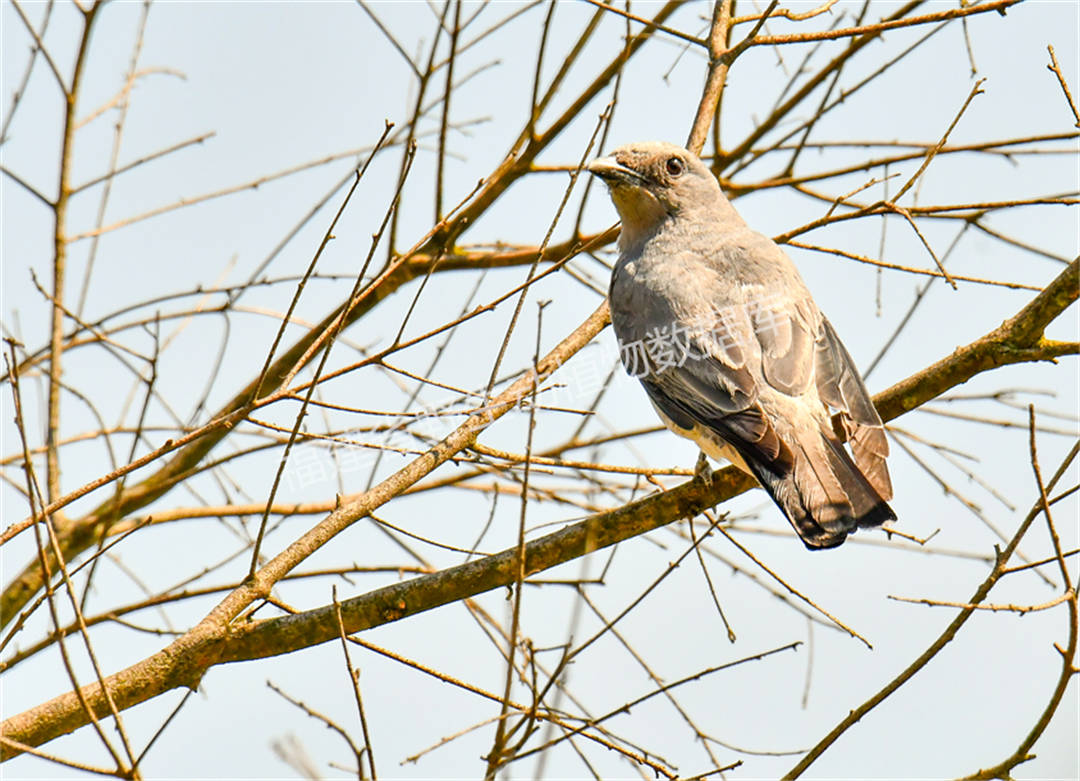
[(840, 386)]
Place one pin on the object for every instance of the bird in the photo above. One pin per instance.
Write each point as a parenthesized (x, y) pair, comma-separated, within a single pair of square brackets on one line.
[(716, 323)]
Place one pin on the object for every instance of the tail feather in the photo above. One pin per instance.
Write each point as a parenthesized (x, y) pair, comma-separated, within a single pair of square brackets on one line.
[(823, 494)]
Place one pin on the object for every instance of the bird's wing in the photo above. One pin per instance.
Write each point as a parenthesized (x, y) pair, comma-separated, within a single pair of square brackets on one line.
[(799, 348), (841, 387), (700, 372), (746, 373)]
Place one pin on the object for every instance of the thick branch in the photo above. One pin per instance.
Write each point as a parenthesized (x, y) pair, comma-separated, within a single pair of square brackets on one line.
[(1017, 340), (183, 663)]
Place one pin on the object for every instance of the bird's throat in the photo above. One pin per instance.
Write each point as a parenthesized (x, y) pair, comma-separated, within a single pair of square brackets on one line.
[(641, 214)]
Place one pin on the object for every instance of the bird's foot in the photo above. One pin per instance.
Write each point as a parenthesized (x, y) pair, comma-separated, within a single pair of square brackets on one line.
[(702, 470)]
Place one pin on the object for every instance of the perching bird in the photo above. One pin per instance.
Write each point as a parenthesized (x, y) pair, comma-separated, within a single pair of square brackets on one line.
[(715, 321)]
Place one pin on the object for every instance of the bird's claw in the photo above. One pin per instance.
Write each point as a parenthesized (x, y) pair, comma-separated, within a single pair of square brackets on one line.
[(702, 470)]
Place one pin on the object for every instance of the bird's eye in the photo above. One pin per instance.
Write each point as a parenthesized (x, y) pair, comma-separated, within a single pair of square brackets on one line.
[(675, 166)]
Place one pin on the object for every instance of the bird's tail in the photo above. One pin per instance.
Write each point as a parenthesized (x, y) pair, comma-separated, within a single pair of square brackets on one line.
[(821, 490)]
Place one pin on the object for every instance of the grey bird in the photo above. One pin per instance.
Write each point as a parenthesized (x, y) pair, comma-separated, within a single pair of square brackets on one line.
[(715, 321)]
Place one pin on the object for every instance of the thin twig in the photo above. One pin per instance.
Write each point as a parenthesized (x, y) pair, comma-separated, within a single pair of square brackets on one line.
[(1054, 68)]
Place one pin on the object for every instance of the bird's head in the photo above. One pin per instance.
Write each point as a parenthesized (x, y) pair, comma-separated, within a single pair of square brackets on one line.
[(653, 181)]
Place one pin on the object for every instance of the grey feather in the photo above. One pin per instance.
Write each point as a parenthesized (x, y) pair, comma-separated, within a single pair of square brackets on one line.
[(716, 322)]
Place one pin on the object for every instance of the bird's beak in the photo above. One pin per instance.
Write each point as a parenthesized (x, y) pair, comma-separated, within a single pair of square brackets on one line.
[(613, 172)]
